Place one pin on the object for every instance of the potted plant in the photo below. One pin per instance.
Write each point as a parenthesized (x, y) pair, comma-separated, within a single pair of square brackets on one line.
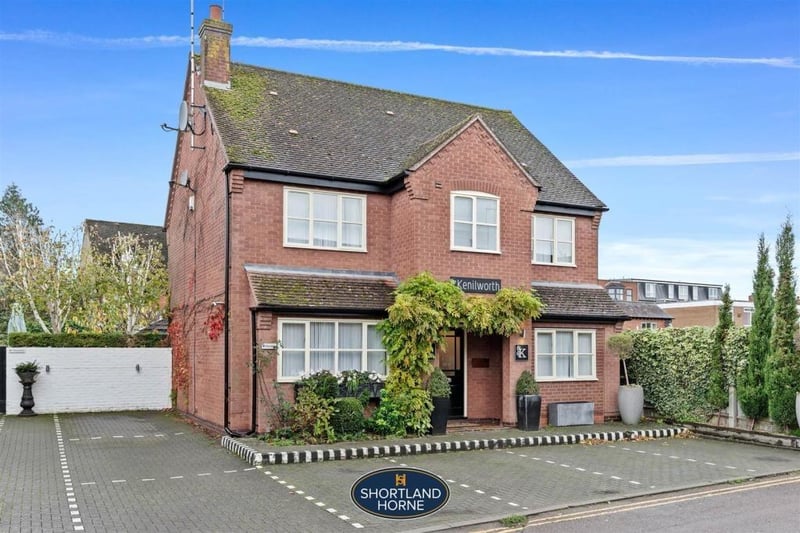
[(27, 372), (439, 389), (529, 403), (630, 398)]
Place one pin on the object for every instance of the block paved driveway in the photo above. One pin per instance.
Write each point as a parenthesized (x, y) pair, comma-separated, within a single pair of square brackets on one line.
[(151, 472)]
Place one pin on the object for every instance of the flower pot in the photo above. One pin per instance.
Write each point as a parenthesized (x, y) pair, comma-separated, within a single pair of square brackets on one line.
[(439, 416), (797, 407), (631, 403), (529, 408), (27, 379)]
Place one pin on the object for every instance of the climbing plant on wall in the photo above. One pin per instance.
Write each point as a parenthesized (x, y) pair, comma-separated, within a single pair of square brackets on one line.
[(423, 311)]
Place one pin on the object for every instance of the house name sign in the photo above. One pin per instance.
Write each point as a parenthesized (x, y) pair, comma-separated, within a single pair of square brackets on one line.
[(477, 285)]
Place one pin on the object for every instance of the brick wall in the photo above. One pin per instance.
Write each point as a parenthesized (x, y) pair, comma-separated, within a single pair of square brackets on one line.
[(92, 379)]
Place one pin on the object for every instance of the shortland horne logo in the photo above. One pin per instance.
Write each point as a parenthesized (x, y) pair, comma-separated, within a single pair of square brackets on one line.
[(400, 493)]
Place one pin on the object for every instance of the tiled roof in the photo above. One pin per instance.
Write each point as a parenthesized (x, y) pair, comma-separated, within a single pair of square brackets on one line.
[(100, 233), (577, 301), (320, 290), (278, 121), (643, 310)]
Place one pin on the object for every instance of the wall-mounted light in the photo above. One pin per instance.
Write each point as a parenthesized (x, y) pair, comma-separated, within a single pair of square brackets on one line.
[(138, 368), (47, 368)]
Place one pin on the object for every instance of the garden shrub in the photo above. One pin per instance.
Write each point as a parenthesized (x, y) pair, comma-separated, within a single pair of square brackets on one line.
[(348, 416), (387, 419), (322, 383), (87, 340), (311, 417)]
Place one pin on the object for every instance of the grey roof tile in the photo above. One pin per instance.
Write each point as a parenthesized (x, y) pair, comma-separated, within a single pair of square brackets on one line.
[(287, 122), (643, 310), (577, 301)]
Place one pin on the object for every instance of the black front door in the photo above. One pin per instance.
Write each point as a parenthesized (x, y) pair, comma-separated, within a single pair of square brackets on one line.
[(451, 361)]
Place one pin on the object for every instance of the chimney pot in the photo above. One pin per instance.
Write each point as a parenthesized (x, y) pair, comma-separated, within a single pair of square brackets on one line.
[(216, 12)]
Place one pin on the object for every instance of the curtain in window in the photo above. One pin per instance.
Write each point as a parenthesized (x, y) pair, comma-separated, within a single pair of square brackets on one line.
[(376, 354), (350, 338), (544, 354), (323, 342), (462, 221), (351, 222), (293, 341), (564, 353), (544, 236), (585, 351), (297, 217), (325, 220), (564, 232)]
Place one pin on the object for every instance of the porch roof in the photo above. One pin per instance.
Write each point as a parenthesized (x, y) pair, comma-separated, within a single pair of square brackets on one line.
[(320, 290), (577, 301)]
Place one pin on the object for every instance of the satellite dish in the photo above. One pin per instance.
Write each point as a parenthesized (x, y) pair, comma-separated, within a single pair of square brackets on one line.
[(183, 116), (183, 179)]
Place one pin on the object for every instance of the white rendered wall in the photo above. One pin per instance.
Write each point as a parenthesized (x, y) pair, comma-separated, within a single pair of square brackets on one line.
[(92, 379)]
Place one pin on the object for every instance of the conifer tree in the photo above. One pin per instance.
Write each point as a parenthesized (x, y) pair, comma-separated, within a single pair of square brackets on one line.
[(717, 394), (783, 369), (751, 387)]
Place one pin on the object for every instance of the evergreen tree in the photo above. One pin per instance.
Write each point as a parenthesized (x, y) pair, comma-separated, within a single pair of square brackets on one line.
[(717, 394), (751, 387), (783, 368)]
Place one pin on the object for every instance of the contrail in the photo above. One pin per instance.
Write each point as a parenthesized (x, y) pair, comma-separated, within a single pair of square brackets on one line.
[(352, 46)]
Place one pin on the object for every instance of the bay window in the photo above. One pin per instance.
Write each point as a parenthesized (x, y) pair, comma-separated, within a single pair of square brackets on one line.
[(564, 354), (308, 346)]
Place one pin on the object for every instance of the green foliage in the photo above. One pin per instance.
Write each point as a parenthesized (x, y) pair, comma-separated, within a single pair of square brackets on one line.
[(672, 366), (783, 366), (348, 416), (717, 393), (423, 311), (526, 384), (438, 384), (751, 386), (355, 384), (27, 366), (513, 521), (622, 346), (387, 418), (322, 383), (311, 417), (87, 340)]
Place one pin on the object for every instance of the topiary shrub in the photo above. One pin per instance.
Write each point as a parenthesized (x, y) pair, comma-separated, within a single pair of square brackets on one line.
[(526, 384), (348, 416), (438, 384)]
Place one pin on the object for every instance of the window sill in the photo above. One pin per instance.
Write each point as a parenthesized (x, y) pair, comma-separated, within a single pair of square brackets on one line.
[(471, 250), (324, 248), (563, 380), (569, 265)]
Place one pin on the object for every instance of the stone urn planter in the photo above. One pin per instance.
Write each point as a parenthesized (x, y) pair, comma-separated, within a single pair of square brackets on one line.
[(27, 373), (797, 407), (631, 403)]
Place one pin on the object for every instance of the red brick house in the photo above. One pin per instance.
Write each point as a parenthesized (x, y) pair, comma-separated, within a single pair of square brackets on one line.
[(297, 205)]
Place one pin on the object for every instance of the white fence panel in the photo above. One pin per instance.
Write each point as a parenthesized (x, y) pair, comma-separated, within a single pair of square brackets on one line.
[(92, 379)]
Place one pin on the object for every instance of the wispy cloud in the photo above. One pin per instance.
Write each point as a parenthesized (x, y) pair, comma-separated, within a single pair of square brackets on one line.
[(72, 40), (347, 45), (685, 159)]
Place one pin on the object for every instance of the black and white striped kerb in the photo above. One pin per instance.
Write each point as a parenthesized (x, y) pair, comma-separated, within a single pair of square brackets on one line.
[(247, 453), (339, 454)]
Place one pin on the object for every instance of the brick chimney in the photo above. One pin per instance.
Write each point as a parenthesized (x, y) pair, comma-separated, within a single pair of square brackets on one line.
[(215, 50)]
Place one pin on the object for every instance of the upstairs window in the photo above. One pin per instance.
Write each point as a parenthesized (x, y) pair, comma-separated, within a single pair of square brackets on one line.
[(330, 221), (650, 290), (683, 293), (615, 293), (747, 316), (714, 293), (553, 240), (475, 222)]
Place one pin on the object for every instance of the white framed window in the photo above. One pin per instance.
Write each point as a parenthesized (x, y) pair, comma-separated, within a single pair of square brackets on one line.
[(648, 325), (553, 240), (565, 354), (747, 316), (324, 220), (474, 222), (629, 295), (308, 346), (615, 293), (649, 290), (714, 293), (683, 293), (671, 292), (695, 293)]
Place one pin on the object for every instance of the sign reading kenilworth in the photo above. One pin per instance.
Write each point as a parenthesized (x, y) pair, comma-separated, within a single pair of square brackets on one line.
[(400, 493)]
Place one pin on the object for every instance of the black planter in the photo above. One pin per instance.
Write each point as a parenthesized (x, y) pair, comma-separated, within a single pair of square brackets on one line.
[(529, 407), (439, 416), (27, 379)]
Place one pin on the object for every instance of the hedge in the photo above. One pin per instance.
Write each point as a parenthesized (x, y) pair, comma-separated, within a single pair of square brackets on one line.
[(87, 340)]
